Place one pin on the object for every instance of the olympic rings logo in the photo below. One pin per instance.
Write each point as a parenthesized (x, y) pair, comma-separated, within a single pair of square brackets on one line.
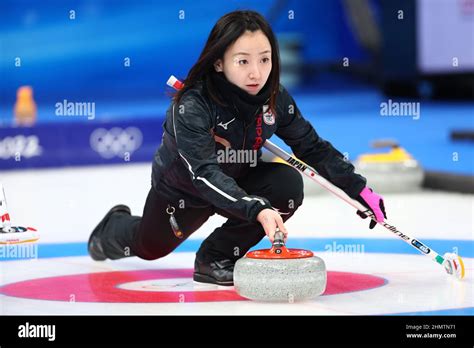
[(116, 142)]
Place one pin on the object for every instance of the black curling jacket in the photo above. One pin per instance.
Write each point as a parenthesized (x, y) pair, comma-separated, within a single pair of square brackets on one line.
[(186, 167)]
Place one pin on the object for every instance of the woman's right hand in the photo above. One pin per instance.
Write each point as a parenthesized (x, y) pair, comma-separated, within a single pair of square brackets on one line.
[(270, 220)]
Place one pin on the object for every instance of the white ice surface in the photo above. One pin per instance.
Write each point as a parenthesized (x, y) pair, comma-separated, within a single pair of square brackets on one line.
[(66, 204)]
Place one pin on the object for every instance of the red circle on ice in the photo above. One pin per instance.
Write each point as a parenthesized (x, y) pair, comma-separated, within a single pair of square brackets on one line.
[(108, 287)]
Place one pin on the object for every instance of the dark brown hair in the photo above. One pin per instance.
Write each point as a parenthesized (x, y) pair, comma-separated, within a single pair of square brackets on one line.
[(224, 33)]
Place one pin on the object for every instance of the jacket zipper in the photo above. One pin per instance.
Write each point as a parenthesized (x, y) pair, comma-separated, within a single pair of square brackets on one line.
[(246, 126)]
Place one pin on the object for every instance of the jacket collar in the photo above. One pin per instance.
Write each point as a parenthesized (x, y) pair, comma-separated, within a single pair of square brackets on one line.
[(246, 105)]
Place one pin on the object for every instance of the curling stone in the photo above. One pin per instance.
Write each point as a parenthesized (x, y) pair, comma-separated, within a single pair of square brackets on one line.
[(280, 274), (393, 171)]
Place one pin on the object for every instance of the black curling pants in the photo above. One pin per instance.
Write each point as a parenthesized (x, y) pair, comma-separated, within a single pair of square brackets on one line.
[(151, 237)]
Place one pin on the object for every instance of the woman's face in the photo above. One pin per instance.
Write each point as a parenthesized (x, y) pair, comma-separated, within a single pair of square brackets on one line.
[(248, 62)]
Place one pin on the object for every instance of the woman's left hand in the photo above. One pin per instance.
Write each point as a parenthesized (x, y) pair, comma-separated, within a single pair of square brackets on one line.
[(374, 203)]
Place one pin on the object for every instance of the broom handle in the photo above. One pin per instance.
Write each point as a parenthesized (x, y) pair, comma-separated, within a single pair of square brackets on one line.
[(313, 175)]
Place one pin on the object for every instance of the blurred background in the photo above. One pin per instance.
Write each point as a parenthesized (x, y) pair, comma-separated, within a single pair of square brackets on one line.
[(84, 82)]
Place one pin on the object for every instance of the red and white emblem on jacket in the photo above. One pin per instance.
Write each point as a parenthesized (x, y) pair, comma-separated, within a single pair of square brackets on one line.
[(268, 116)]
